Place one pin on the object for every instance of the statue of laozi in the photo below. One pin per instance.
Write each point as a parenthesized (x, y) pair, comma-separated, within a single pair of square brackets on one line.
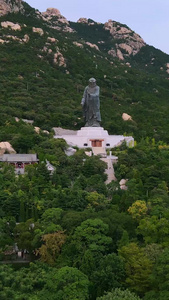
[(91, 104)]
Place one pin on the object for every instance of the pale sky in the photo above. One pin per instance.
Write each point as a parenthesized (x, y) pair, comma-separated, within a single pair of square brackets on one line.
[(148, 18)]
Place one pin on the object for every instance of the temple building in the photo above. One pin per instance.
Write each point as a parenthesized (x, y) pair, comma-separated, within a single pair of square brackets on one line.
[(19, 161)]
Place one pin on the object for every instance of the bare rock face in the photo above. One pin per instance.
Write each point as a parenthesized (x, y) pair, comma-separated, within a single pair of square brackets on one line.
[(119, 54), (68, 29), (13, 26), (55, 20), (26, 38), (8, 38), (6, 147), (52, 12), (123, 184), (83, 21), (92, 45), (167, 68), (78, 44), (127, 48), (133, 42), (52, 40), (9, 6), (38, 30), (87, 21), (37, 129), (59, 59), (126, 117)]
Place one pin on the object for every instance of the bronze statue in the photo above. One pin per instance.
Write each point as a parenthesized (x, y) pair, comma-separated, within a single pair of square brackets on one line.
[(91, 104)]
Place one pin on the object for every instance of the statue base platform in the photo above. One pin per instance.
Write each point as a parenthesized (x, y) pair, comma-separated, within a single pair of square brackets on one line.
[(92, 132), (88, 137)]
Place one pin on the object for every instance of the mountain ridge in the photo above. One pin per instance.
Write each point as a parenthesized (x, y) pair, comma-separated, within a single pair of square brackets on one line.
[(56, 20), (46, 62)]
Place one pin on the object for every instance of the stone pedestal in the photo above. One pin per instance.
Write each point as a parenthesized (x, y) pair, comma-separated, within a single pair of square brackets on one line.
[(92, 132), (95, 137)]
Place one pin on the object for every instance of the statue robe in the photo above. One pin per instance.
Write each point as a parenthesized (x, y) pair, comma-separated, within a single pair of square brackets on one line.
[(91, 106)]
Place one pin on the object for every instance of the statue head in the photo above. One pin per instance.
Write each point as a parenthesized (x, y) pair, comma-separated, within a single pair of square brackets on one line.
[(92, 82)]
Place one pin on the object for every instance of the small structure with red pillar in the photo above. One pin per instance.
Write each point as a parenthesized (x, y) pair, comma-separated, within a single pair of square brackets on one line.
[(19, 161)]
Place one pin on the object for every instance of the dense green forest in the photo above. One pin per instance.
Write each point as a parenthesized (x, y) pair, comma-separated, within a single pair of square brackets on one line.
[(87, 238), (80, 238)]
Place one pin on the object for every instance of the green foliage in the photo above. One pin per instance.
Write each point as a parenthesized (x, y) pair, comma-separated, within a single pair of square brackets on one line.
[(93, 165), (138, 268), (111, 235), (66, 283), (39, 90), (25, 283), (154, 230), (42, 282), (51, 247), (6, 231), (24, 233), (110, 274), (138, 209), (88, 244), (124, 239), (118, 294), (51, 215), (160, 277)]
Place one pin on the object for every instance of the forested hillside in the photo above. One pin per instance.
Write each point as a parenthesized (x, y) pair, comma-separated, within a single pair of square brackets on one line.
[(78, 237), (43, 75)]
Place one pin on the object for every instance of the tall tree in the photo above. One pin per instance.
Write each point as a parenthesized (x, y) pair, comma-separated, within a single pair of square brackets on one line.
[(66, 284), (138, 268), (109, 275), (89, 241), (51, 248)]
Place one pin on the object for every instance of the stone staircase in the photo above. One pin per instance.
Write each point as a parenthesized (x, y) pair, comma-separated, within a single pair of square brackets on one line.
[(99, 151), (107, 159), (109, 171)]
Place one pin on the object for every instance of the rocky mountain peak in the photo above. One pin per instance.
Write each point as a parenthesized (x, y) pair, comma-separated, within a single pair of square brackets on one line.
[(128, 42), (83, 21), (52, 12), (87, 21), (10, 6), (55, 20)]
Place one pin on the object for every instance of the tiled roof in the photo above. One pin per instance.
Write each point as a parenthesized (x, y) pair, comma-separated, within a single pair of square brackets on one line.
[(19, 158)]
